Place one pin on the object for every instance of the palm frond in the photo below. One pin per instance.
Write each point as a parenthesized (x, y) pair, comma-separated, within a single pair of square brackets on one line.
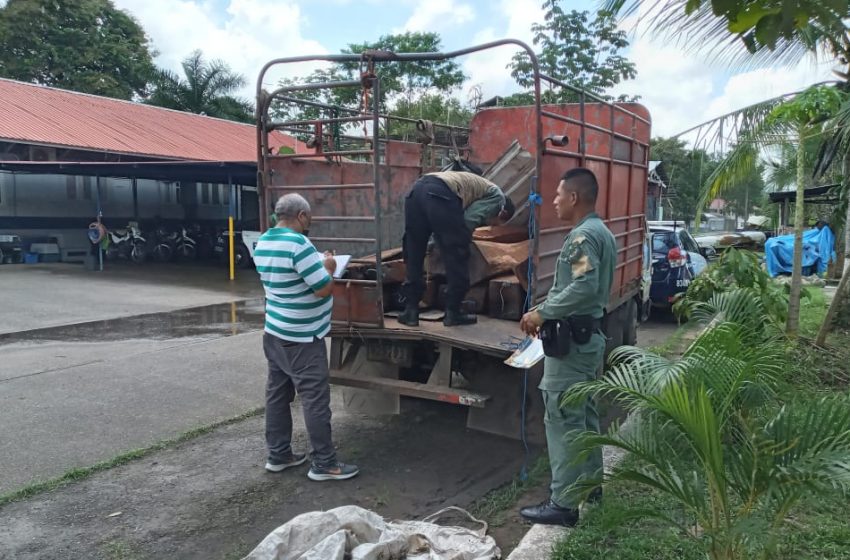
[(703, 32)]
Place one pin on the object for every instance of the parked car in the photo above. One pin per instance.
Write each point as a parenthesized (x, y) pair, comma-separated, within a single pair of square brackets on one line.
[(676, 260)]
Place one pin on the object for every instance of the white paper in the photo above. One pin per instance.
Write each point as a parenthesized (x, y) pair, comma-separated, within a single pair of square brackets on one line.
[(529, 353), (341, 264)]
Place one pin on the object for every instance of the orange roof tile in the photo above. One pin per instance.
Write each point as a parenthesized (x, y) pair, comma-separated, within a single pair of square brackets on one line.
[(36, 114)]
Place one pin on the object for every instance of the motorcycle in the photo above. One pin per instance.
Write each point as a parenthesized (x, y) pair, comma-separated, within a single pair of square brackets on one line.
[(127, 243), (186, 246), (165, 244), (204, 241)]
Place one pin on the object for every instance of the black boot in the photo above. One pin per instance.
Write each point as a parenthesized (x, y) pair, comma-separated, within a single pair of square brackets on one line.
[(409, 317), (455, 317), (549, 513)]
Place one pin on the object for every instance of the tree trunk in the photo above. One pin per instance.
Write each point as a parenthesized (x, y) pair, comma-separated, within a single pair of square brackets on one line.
[(793, 324), (835, 305)]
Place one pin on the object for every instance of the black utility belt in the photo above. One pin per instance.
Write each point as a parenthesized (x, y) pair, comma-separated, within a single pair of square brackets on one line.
[(557, 334)]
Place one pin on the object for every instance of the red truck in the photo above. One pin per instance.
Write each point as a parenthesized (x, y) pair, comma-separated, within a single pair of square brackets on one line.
[(355, 167)]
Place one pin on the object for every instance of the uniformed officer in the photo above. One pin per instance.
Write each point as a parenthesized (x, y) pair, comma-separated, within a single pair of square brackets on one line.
[(449, 205), (582, 283)]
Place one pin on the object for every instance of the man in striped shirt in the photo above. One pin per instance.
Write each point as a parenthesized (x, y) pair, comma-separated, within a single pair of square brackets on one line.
[(298, 282)]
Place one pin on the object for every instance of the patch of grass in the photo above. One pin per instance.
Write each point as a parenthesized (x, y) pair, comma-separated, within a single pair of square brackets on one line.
[(812, 311), (80, 473), (121, 550), (607, 531), (493, 506), (674, 343), (817, 530)]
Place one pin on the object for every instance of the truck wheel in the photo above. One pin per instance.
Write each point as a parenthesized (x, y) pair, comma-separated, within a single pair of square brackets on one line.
[(630, 324), (613, 327)]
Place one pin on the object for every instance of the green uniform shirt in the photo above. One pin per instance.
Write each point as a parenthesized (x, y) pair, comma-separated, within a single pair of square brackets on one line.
[(583, 276)]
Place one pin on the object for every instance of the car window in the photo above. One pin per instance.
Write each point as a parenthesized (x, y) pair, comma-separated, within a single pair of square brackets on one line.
[(663, 241), (688, 242)]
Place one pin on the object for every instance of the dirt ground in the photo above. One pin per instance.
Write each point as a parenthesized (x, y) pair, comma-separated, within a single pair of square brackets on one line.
[(210, 498)]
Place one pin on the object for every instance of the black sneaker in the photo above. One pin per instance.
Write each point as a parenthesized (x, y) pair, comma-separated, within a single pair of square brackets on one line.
[(339, 471), (294, 459)]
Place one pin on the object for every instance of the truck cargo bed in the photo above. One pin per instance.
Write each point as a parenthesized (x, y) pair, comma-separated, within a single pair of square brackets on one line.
[(490, 336)]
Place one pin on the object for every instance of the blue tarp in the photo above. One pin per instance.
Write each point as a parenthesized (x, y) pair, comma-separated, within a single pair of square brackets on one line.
[(818, 251)]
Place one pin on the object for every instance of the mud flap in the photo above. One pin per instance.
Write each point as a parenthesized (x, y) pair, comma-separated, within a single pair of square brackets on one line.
[(502, 414)]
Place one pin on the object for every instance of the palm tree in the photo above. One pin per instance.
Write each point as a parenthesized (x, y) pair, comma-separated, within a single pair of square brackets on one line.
[(207, 89), (753, 33), (708, 432), (795, 121)]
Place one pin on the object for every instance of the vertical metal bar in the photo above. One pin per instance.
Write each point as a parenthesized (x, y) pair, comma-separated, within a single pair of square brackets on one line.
[(535, 209), (14, 194), (135, 189), (262, 172), (231, 241), (582, 139), (376, 170), (610, 165), (99, 216)]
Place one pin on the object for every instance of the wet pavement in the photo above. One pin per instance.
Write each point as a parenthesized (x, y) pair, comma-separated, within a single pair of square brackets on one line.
[(226, 319), (75, 395), (51, 295)]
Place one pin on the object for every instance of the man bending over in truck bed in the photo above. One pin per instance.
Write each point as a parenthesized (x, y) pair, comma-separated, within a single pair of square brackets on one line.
[(449, 204)]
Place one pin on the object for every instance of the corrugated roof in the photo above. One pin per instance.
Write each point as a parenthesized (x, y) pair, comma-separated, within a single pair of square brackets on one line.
[(54, 117)]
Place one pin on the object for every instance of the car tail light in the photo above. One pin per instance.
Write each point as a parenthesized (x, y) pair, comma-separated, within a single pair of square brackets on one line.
[(676, 258)]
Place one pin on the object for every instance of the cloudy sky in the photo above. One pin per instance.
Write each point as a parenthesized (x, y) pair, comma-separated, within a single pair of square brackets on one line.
[(679, 89)]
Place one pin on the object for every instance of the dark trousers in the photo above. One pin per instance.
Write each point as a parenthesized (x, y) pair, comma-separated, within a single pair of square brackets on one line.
[(432, 207), (302, 368)]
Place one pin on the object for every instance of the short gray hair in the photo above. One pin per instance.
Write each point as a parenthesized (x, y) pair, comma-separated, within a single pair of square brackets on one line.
[(290, 205)]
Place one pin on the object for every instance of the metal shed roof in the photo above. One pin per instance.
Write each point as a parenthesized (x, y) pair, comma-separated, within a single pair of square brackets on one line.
[(40, 115)]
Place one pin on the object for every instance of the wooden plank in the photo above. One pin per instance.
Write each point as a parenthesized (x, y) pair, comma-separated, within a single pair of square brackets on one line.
[(487, 260), (412, 389), (501, 234)]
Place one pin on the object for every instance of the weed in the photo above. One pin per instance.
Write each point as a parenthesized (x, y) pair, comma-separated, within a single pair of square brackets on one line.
[(121, 550), (495, 504), (80, 473)]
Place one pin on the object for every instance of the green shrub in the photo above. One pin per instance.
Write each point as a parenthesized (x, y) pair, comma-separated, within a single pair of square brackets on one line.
[(708, 433), (736, 269)]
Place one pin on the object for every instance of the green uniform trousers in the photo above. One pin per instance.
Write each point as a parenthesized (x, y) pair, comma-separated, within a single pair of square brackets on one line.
[(564, 421)]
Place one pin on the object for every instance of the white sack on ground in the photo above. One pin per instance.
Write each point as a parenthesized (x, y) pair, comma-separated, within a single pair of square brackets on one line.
[(359, 534)]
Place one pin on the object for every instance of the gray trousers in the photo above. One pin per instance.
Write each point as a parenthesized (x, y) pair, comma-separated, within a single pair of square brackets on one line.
[(302, 368)]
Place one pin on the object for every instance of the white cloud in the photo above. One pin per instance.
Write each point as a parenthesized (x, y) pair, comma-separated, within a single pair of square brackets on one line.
[(429, 15), (489, 69), (251, 33), (681, 91)]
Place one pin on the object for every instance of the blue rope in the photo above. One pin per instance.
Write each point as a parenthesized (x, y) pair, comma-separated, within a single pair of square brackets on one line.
[(534, 199)]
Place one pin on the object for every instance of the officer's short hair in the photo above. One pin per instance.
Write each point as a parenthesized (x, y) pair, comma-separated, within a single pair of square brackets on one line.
[(582, 181)]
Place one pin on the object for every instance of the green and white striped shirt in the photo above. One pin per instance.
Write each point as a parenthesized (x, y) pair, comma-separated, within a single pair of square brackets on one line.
[(291, 269)]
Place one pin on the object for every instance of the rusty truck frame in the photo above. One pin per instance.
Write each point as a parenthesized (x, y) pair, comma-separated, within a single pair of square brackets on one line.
[(356, 185)]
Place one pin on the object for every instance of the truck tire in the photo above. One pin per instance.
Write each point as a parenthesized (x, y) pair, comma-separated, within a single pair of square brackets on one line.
[(613, 328), (630, 324)]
